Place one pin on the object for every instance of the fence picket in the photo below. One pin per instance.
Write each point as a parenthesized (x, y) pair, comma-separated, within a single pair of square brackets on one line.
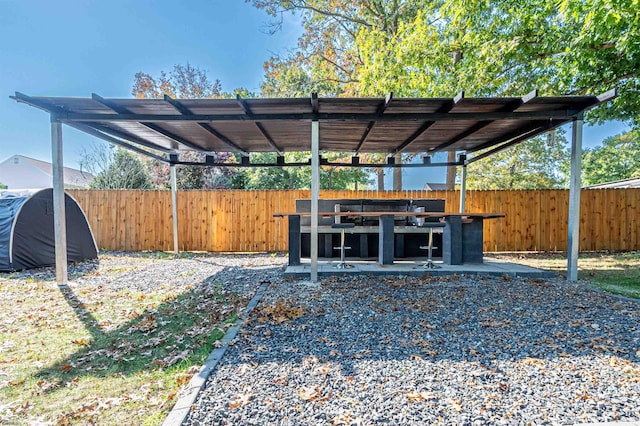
[(235, 220)]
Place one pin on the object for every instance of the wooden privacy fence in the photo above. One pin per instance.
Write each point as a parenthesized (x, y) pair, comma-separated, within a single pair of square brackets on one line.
[(242, 221)]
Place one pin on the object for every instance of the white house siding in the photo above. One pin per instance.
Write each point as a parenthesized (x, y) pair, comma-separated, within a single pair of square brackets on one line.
[(23, 175), (20, 172)]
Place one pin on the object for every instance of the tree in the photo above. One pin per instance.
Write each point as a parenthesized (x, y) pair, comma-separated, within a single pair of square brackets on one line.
[(192, 177), (124, 170), (327, 58), (497, 48), (506, 47), (185, 82), (300, 177), (618, 158), (535, 164)]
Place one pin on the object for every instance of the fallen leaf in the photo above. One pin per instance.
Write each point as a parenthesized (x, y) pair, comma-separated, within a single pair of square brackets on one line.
[(309, 393), (345, 419), (323, 370), (414, 396), (240, 400), (455, 404)]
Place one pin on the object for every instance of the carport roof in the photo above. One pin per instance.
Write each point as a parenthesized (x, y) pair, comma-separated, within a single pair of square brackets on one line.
[(382, 125)]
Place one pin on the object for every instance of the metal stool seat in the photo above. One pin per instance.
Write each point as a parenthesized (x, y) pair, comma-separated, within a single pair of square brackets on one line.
[(429, 264), (342, 248)]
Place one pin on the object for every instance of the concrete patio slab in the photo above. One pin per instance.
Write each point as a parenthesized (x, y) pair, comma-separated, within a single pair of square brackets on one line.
[(414, 267)]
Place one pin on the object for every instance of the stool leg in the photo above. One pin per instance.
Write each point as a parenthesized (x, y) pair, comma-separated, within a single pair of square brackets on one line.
[(430, 264), (343, 264)]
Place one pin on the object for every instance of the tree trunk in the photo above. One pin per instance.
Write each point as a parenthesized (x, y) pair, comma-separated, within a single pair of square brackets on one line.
[(381, 179), (451, 171), (397, 173)]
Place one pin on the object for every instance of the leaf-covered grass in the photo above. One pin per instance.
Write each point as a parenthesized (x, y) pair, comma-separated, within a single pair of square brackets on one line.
[(87, 354), (614, 272)]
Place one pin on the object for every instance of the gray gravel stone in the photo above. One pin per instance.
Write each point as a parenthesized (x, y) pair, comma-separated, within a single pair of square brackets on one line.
[(395, 350)]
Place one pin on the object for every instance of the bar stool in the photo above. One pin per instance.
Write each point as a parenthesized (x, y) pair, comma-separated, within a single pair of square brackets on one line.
[(342, 248), (429, 264)]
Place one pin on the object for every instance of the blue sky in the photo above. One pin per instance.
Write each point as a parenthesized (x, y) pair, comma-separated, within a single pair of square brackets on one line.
[(75, 48)]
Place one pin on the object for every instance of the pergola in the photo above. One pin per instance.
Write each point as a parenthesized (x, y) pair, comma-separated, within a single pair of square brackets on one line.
[(160, 128)]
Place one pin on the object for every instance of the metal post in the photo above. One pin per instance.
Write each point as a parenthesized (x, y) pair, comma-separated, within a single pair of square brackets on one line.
[(59, 214), (315, 195), (574, 199), (463, 188), (174, 207)]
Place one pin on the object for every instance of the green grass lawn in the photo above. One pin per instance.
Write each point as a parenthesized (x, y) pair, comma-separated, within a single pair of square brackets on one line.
[(614, 272), (98, 355)]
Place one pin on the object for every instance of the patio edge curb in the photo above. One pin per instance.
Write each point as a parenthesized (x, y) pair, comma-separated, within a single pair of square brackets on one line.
[(180, 410)]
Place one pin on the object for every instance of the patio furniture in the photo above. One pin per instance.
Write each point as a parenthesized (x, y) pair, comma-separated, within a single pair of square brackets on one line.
[(342, 226), (429, 247), (462, 235)]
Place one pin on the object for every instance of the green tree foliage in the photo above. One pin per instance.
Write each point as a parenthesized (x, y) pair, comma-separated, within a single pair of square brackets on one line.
[(124, 171), (439, 48), (300, 177), (509, 47), (618, 158), (534, 164), (327, 58)]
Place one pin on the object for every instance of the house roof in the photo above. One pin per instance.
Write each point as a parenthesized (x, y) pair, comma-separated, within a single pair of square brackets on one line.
[(435, 186), (382, 125), (72, 177), (625, 183)]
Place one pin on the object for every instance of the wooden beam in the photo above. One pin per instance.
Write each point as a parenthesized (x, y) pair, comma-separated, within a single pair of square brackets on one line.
[(484, 123), (261, 129), (108, 138), (152, 126), (528, 135), (186, 112), (121, 135), (425, 126), (381, 108)]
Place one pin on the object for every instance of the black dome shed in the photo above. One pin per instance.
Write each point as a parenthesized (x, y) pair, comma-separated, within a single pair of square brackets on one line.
[(27, 232)]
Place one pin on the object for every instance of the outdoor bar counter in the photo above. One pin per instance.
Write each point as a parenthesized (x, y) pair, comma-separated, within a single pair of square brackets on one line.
[(461, 242)]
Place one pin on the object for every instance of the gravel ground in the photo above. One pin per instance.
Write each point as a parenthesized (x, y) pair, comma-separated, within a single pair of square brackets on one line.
[(143, 271), (469, 350)]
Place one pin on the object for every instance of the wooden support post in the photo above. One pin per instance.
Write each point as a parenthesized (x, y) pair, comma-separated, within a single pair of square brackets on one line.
[(315, 195), (463, 188), (574, 199), (59, 214), (174, 207)]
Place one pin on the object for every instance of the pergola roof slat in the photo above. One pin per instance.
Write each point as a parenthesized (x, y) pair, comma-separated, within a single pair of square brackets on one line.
[(381, 125)]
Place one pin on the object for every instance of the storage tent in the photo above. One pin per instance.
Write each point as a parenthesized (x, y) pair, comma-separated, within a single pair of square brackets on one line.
[(26, 230)]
